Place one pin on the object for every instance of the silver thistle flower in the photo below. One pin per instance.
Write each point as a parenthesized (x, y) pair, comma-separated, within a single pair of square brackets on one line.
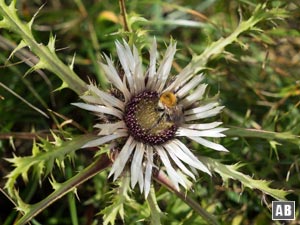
[(151, 114)]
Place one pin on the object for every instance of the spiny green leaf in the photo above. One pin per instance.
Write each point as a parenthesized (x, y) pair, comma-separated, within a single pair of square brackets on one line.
[(119, 197), (10, 14), (22, 165), (217, 48), (270, 135), (46, 54), (70, 185), (43, 162), (230, 172)]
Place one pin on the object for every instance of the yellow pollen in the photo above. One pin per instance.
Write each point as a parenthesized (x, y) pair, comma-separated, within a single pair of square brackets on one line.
[(168, 99)]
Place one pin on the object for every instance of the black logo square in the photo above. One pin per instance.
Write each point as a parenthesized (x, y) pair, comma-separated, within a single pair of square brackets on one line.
[(283, 210)]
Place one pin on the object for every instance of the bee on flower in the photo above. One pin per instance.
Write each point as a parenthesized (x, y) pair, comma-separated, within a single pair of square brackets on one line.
[(152, 115), (169, 105)]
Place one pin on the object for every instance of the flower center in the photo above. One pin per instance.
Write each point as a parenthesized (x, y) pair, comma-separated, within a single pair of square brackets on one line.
[(145, 122)]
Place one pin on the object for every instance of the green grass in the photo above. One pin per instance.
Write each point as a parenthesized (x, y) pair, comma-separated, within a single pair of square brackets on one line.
[(255, 78)]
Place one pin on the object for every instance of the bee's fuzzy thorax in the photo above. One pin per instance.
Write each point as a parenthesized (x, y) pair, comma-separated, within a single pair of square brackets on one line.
[(168, 99)]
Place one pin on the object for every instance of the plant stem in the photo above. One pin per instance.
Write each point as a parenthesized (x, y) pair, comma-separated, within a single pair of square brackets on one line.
[(124, 14)]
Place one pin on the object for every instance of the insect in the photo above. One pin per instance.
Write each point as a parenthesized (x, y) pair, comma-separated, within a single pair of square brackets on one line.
[(170, 108), (170, 112)]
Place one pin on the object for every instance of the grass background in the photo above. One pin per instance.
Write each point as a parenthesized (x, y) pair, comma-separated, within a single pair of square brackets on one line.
[(257, 80)]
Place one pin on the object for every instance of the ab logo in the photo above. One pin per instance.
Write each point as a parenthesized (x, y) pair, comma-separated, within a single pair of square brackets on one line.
[(283, 210)]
